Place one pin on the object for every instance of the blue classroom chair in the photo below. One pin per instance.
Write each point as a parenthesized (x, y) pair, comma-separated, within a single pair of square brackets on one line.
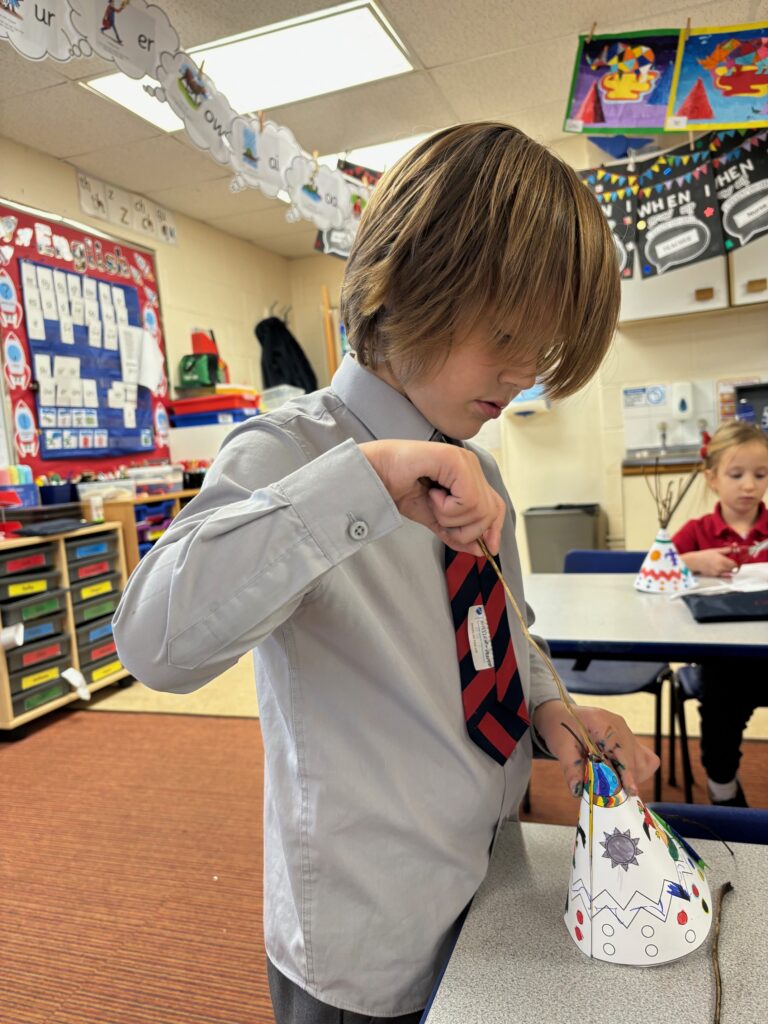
[(710, 821), (614, 678)]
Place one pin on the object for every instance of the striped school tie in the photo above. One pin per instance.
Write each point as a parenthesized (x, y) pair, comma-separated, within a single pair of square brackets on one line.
[(492, 694)]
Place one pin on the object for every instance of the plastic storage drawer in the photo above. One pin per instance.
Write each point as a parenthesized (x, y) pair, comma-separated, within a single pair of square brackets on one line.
[(99, 587), (97, 651), (95, 609), (28, 700), (101, 629), (26, 560), (101, 669), (25, 586), (150, 532), (41, 628), (32, 608), (94, 546), (88, 568), (26, 658), (153, 511), (36, 675), (145, 546)]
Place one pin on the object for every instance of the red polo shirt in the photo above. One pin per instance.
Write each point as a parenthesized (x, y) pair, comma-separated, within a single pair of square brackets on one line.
[(712, 531)]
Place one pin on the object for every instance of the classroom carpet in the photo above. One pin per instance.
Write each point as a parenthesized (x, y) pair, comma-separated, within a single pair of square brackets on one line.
[(232, 694), (131, 867)]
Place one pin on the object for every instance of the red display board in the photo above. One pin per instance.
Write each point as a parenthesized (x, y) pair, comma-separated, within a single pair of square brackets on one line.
[(82, 344)]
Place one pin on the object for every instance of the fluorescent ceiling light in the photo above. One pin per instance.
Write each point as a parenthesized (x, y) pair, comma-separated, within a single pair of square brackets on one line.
[(320, 53), (129, 92), (375, 158)]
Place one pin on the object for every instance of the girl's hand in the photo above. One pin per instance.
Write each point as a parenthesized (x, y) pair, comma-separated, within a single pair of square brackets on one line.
[(634, 761), (443, 487), (712, 562)]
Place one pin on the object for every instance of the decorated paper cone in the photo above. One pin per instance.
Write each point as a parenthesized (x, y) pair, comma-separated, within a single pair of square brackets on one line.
[(663, 571), (637, 893)]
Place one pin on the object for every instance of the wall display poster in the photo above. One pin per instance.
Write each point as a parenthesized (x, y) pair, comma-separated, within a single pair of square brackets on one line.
[(83, 352), (741, 183), (721, 79), (618, 210), (622, 83), (678, 221)]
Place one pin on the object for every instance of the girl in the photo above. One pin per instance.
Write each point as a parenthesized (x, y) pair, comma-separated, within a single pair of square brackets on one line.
[(736, 468)]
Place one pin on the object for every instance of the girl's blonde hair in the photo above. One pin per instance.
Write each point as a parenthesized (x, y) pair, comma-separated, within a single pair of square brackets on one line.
[(481, 221), (729, 435)]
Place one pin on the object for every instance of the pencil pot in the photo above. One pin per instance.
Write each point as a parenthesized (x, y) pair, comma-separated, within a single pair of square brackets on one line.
[(57, 494)]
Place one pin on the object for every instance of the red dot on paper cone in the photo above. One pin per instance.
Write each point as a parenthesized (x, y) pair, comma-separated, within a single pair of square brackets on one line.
[(579, 936), (682, 917), (579, 917), (695, 890)]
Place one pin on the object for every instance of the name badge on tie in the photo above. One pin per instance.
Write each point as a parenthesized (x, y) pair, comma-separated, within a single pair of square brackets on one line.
[(480, 645)]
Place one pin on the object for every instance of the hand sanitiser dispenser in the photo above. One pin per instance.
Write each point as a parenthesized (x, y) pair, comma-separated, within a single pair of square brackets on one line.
[(682, 400)]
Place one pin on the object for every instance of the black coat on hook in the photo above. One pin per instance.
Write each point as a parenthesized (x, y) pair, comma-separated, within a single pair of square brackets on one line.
[(282, 357)]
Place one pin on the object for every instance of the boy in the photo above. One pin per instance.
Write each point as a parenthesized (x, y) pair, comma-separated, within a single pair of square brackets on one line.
[(320, 536)]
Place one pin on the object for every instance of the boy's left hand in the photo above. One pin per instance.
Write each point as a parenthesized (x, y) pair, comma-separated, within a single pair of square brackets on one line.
[(610, 733)]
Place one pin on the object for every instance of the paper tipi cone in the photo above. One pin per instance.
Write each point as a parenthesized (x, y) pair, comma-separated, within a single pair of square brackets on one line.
[(637, 892), (663, 571)]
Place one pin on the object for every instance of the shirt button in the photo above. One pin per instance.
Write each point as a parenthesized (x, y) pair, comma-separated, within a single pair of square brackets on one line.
[(358, 530)]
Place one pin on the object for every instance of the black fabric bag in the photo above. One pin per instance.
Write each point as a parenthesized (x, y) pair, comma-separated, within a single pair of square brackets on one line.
[(735, 606)]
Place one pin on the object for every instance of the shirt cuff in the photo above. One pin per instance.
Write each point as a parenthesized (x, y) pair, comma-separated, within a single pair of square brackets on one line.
[(349, 509)]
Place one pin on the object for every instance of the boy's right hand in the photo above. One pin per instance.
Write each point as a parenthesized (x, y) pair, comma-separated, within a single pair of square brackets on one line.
[(712, 562), (459, 508)]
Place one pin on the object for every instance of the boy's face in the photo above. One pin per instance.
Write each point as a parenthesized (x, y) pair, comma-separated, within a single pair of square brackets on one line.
[(472, 386)]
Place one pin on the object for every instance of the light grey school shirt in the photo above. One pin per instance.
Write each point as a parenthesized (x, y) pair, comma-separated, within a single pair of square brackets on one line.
[(380, 812)]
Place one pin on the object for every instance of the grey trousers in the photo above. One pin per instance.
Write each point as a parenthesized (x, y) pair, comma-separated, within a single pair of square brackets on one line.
[(292, 1005)]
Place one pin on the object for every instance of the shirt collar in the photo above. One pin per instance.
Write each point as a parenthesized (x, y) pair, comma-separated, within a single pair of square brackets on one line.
[(759, 527), (380, 408)]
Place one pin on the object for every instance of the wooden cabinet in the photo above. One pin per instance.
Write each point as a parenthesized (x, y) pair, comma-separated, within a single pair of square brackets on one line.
[(63, 589), (124, 512)]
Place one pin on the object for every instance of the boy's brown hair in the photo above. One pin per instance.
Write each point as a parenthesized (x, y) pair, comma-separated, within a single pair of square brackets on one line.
[(730, 435), (481, 221)]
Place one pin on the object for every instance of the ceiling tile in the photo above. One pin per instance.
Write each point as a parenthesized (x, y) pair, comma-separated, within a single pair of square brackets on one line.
[(484, 87), (151, 166), (392, 108), (66, 120), (199, 23), (19, 76)]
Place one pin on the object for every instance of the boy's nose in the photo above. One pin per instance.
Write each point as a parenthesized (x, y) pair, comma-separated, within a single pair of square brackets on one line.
[(521, 378)]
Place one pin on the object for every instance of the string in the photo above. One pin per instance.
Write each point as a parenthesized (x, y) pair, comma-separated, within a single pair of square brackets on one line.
[(586, 739)]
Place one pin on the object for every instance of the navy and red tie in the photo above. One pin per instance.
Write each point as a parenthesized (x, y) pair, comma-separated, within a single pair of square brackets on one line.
[(494, 705)]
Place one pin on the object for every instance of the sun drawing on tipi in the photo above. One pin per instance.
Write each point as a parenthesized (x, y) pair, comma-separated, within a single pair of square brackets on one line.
[(621, 848)]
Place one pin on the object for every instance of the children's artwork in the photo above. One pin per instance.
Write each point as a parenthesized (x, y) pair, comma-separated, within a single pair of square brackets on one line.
[(82, 347), (637, 893), (663, 571), (191, 94), (619, 212), (132, 33), (622, 83), (262, 151), (37, 32), (741, 184), (721, 79), (678, 221)]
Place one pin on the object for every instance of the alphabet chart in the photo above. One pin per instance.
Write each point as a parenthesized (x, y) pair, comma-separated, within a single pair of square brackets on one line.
[(83, 354)]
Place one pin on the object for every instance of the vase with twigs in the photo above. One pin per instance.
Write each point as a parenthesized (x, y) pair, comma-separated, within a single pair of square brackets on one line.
[(663, 570)]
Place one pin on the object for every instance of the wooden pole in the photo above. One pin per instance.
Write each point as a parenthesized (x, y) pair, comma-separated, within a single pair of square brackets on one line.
[(331, 349)]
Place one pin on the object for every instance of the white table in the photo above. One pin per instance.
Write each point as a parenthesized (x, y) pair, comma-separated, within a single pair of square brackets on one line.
[(602, 615), (514, 962)]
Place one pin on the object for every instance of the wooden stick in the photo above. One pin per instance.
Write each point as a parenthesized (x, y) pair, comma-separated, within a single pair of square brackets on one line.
[(725, 888), (331, 357), (591, 32), (586, 739)]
